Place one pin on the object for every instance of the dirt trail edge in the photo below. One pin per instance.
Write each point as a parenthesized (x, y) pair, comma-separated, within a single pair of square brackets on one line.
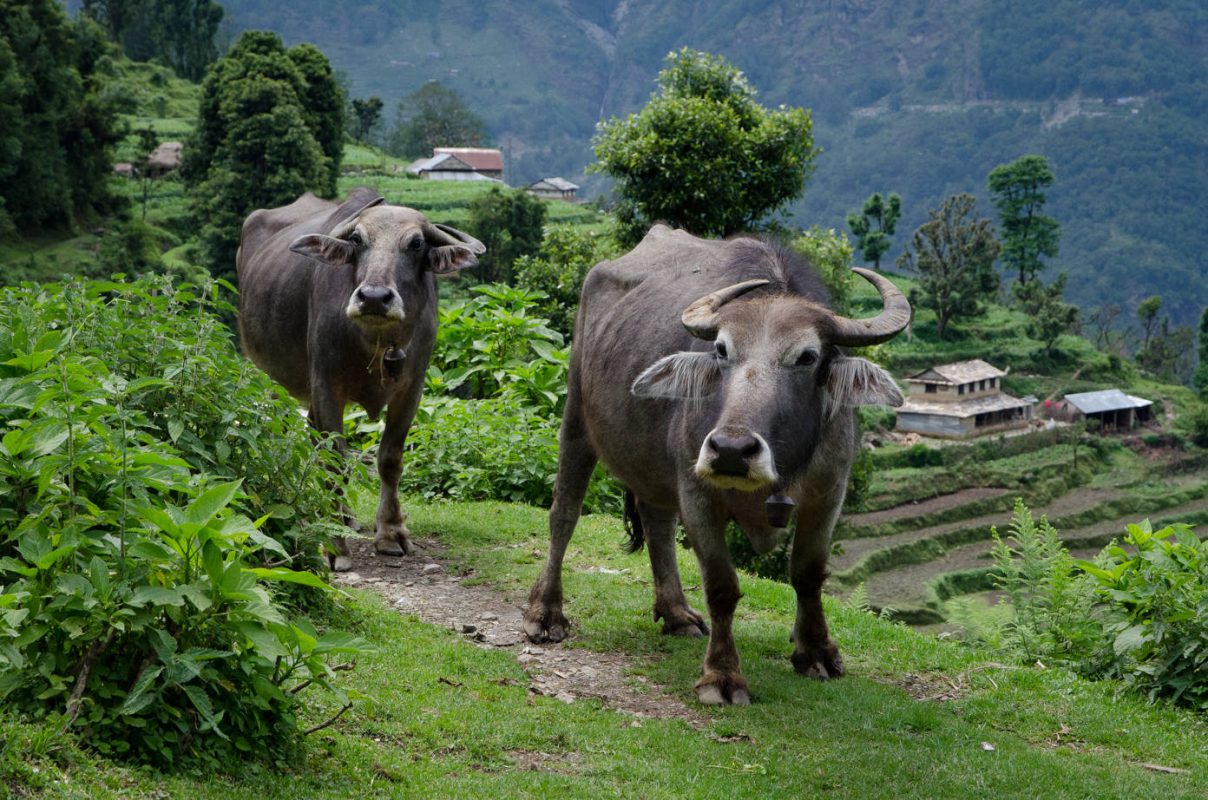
[(427, 586)]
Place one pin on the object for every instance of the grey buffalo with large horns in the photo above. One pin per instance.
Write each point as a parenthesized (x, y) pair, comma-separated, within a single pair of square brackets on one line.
[(337, 303), (708, 377)]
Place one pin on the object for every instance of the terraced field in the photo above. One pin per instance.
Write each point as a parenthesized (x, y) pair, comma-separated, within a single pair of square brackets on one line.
[(912, 557)]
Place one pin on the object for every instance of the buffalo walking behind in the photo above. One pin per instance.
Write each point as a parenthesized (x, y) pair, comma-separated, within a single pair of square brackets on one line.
[(337, 303), (708, 377)]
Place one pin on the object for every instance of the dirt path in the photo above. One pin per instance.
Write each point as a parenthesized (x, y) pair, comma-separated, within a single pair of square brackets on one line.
[(428, 586), (931, 505)]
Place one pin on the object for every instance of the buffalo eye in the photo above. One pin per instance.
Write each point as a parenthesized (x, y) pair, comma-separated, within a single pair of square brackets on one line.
[(720, 349), (807, 358), (415, 244), (355, 239)]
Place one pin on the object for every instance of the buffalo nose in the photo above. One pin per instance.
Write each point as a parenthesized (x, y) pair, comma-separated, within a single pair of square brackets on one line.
[(732, 454), (374, 299)]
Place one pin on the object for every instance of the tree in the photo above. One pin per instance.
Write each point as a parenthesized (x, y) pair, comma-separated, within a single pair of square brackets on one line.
[(703, 155), (365, 116), (1103, 321), (180, 33), (874, 225), (953, 255), (58, 128), (254, 146), (434, 116), (510, 223), (1027, 235), (1147, 314), (1049, 316), (323, 108), (1200, 379)]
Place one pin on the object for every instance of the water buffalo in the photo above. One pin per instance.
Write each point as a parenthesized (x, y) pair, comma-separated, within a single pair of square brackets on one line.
[(708, 377), (337, 303)]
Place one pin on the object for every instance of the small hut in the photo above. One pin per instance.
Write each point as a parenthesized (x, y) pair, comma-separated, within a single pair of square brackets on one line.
[(1111, 408)]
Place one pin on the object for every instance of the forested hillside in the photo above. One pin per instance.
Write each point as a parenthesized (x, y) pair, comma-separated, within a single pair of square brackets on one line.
[(920, 97)]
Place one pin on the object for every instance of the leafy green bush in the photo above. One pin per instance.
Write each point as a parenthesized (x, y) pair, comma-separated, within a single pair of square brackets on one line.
[(567, 253), (137, 595), (1154, 598), (1135, 613), (490, 345)]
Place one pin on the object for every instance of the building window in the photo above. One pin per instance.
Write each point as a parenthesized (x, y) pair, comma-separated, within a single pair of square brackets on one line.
[(960, 389), (929, 388)]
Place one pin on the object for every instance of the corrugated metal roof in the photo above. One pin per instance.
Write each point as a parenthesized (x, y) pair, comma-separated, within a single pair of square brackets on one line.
[(1105, 400), (444, 162), (959, 372), (962, 408), (560, 184), (487, 158)]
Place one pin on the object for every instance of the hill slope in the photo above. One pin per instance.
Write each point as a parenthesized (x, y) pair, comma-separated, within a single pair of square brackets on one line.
[(921, 97)]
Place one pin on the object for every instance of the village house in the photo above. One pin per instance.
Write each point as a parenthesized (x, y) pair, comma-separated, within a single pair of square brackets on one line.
[(447, 167), (554, 189), (960, 400), (1112, 409)]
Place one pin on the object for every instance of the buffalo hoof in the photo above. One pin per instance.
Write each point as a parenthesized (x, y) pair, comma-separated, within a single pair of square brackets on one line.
[(719, 689), (820, 662), (682, 622), (547, 626), (393, 547)]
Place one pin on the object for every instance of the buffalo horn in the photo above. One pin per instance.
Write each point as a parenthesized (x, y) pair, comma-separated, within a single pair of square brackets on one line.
[(443, 235), (700, 318), (892, 320), (342, 230)]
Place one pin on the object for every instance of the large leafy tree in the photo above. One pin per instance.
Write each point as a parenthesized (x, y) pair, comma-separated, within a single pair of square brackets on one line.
[(703, 154), (434, 116), (1049, 315), (256, 145), (322, 107), (366, 114), (57, 130), (876, 222), (1028, 235), (953, 254)]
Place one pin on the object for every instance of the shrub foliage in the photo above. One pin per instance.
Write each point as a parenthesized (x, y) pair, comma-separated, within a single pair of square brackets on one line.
[(157, 497)]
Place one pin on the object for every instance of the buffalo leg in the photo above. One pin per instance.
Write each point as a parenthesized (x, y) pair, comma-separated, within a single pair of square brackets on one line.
[(327, 416), (670, 605), (721, 680), (815, 654), (391, 537), (544, 620)]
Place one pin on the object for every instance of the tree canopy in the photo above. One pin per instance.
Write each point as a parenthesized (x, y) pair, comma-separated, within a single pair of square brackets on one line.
[(953, 254), (875, 223), (434, 116), (1017, 190), (58, 126), (703, 154), (180, 33), (258, 144), (511, 224)]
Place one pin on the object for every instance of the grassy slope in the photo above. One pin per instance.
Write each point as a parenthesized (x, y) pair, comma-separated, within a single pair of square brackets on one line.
[(862, 736)]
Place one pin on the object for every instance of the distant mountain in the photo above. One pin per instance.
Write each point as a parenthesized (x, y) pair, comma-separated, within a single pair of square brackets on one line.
[(922, 97)]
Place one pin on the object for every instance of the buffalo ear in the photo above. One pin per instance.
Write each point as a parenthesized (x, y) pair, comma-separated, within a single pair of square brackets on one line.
[(679, 376), (450, 258), (859, 382), (323, 248)]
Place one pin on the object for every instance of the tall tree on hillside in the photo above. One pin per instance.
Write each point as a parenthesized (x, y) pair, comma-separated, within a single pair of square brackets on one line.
[(1017, 190), (953, 254), (1166, 351), (254, 146), (1147, 314), (703, 154), (323, 107), (434, 116), (876, 222), (57, 129), (366, 114), (180, 33)]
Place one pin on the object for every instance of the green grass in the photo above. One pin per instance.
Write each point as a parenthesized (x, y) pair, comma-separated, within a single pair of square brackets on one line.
[(863, 736)]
